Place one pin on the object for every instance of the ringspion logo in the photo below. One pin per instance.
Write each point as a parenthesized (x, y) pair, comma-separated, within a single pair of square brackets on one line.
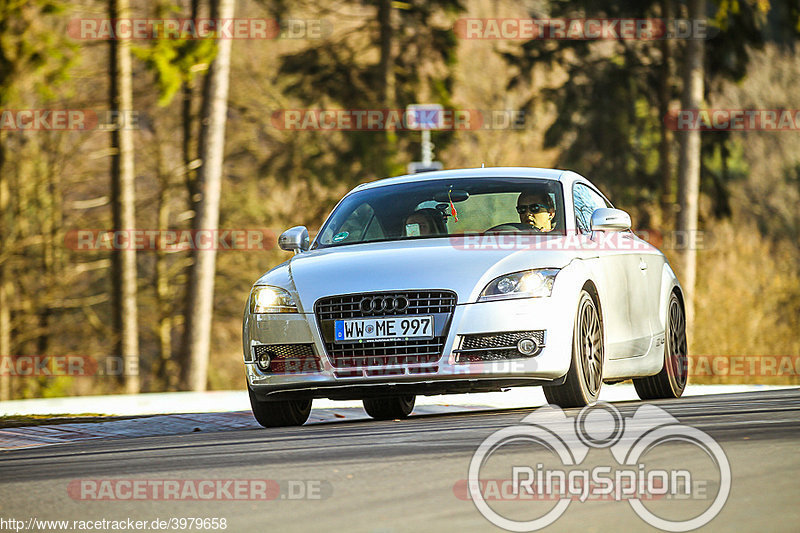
[(567, 479)]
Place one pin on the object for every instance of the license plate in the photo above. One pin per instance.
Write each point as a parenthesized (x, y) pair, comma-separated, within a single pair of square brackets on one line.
[(373, 329)]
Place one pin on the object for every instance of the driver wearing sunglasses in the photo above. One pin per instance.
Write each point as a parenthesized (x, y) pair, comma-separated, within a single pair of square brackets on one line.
[(536, 210)]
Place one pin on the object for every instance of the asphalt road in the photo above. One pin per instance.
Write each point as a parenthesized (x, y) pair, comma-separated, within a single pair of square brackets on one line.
[(404, 475)]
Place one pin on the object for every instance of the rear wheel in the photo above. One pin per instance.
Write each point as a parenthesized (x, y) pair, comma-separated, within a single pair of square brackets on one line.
[(671, 381), (279, 413), (389, 408), (585, 376)]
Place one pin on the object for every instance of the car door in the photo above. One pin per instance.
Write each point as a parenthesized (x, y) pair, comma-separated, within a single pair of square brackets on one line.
[(655, 262), (620, 280), (644, 265)]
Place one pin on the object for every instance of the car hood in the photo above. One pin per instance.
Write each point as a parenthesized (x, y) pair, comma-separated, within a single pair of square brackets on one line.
[(404, 265)]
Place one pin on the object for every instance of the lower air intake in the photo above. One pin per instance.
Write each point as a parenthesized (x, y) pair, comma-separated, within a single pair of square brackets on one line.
[(289, 358), (497, 346)]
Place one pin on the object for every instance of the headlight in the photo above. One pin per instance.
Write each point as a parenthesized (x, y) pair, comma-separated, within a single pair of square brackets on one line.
[(271, 300), (526, 284)]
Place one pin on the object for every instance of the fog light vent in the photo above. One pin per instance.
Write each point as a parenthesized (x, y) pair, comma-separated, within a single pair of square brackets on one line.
[(500, 346), (286, 358)]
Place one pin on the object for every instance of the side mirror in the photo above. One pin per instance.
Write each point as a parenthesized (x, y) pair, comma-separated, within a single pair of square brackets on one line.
[(608, 219), (294, 239)]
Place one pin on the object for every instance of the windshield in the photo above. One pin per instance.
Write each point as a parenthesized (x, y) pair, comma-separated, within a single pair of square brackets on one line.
[(440, 208)]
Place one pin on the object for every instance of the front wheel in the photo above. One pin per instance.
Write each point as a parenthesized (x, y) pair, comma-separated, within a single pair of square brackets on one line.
[(671, 381), (279, 413), (389, 408), (585, 375)]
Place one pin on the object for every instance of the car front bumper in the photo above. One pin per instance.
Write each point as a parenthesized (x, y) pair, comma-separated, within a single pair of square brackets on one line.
[(549, 366)]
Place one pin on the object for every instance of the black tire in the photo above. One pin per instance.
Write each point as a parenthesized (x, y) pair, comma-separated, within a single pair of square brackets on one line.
[(279, 413), (389, 408), (585, 376), (671, 381)]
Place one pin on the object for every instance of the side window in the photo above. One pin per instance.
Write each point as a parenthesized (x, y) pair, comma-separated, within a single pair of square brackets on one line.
[(586, 201), (360, 225), (373, 231)]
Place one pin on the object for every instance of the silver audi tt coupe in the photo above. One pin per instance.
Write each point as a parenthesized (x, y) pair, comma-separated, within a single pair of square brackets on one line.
[(457, 281)]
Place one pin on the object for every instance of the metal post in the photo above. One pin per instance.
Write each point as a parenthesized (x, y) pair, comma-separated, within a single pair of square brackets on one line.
[(427, 148)]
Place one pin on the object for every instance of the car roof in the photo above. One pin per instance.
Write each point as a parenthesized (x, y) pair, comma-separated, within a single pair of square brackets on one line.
[(488, 172)]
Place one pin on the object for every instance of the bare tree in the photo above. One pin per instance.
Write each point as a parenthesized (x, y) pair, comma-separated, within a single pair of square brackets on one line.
[(689, 162), (664, 97), (386, 68), (386, 65), (5, 313), (124, 277), (200, 289), (188, 120), (5, 339)]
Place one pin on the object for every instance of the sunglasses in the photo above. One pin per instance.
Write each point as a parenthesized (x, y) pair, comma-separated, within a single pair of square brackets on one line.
[(533, 208)]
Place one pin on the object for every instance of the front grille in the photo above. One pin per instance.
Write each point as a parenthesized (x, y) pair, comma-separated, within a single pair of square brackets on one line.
[(419, 303), (358, 355), (496, 346), (289, 358)]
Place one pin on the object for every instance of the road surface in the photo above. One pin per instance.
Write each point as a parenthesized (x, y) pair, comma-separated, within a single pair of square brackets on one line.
[(395, 475)]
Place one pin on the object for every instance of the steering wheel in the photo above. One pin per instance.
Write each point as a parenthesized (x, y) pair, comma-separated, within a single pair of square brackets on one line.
[(508, 226)]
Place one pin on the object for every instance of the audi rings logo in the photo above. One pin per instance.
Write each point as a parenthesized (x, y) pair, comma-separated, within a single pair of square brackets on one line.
[(383, 304)]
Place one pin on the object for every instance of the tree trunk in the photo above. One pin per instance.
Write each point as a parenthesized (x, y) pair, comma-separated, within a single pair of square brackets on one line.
[(162, 370), (5, 312), (123, 196), (664, 96), (5, 338), (200, 289), (689, 164), (49, 223), (387, 59), (190, 162), (387, 79), (188, 124)]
